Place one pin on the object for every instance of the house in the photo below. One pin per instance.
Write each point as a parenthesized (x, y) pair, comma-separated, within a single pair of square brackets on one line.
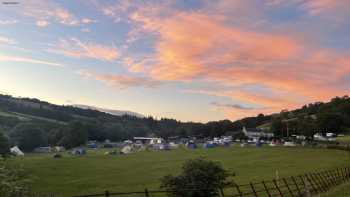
[(255, 134)]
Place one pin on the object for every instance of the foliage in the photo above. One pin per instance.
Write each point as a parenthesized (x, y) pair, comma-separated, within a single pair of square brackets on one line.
[(204, 177), (13, 180), (28, 136), (4, 144)]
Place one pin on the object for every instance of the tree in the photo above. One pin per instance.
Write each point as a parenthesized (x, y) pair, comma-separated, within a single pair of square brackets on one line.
[(204, 177), (28, 136), (4, 144), (74, 135), (277, 127)]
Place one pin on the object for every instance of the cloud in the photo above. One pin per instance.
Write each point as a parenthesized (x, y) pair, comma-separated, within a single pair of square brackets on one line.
[(73, 47), (234, 106), (43, 10), (88, 21), (42, 23), (6, 58), (334, 10), (6, 40), (121, 81), (234, 43), (8, 22)]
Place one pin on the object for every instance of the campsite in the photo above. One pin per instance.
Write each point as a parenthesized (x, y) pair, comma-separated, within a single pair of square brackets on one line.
[(95, 172)]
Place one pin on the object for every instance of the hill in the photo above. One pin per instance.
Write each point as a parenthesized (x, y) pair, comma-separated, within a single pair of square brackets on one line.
[(71, 125)]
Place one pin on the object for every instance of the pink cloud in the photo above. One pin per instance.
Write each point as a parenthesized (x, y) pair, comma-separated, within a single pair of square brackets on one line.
[(121, 81), (195, 46), (73, 47)]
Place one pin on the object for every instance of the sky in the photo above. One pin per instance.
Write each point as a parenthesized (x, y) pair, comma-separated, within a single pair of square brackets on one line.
[(192, 60)]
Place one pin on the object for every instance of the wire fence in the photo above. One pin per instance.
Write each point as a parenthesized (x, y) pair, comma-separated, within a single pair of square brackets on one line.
[(304, 185)]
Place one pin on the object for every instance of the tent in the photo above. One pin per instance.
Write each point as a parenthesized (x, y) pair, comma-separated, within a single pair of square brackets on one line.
[(92, 145), (191, 145), (126, 150), (79, 151), (59, 149), (16, 151), (209, 145)]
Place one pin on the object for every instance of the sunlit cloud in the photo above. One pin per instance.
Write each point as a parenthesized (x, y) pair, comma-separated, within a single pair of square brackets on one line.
[(121, 81), (73, 47), (6, 40), (6, 58), (42, 23)]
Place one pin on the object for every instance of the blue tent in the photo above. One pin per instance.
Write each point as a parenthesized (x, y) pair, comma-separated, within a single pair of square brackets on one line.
[(92, 145), (258, 144), (209, 145), (191, 145), (79, 151)]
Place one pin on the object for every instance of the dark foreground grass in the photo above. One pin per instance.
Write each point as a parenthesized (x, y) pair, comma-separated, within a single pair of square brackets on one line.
[(96, 172)]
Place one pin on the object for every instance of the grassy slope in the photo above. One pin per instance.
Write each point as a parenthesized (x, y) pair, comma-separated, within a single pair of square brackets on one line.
[(96, 172)]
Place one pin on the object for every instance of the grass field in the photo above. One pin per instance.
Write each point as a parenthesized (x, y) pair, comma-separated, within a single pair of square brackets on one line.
[(96, 172), (345, 139)]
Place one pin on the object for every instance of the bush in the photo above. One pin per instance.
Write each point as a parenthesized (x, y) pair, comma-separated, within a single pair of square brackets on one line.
[(13, 181), (204, 178)]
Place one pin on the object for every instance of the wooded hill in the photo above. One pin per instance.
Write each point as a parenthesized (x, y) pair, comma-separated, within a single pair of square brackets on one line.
[(31, 123)]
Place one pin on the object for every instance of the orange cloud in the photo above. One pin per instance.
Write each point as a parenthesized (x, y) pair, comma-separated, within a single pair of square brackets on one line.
[(195, 46), (191, 42), (73, 47), (121, 81)]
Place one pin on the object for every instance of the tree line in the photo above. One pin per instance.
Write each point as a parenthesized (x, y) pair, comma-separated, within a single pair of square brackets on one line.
[(71, 126)]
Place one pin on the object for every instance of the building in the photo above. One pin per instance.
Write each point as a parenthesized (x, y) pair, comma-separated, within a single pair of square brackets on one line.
[(255, 134)]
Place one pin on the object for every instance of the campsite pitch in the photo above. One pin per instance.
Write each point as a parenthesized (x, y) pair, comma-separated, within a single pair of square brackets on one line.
[(96, 172)]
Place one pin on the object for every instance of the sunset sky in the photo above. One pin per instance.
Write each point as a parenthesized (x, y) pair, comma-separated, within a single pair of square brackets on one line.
[(188, 59)]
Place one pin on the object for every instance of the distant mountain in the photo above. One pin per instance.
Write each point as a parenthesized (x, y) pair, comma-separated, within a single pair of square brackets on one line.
[(111, 111)]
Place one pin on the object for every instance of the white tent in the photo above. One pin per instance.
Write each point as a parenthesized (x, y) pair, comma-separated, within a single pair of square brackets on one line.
[(126, 150), (16, 151)]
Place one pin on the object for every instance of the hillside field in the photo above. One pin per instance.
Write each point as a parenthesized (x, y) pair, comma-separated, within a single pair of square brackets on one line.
[(96, 172)]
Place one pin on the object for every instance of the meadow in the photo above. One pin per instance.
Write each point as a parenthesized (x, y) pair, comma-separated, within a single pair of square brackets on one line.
[(96, 172)]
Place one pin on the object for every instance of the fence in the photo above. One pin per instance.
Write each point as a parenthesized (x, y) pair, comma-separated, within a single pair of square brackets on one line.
[(295, 186)]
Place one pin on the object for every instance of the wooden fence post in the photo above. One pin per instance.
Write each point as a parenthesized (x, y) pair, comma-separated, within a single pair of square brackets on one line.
[(253, 189), (146, 193), (222, 192), (239, 190), (107, 193), (266, 189), (314, 189), (324, 182), (296, 186), (317, 182), (278, 189), (286, 184)]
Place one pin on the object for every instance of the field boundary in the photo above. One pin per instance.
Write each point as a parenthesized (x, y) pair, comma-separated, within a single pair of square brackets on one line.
[(305, 185)]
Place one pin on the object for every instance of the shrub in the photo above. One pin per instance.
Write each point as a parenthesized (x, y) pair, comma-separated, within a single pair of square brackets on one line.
[(203, 178), (13, 181)]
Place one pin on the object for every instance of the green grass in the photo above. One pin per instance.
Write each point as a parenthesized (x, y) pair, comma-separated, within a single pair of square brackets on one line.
[(95, 172), (345, 139), (340, 191)]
